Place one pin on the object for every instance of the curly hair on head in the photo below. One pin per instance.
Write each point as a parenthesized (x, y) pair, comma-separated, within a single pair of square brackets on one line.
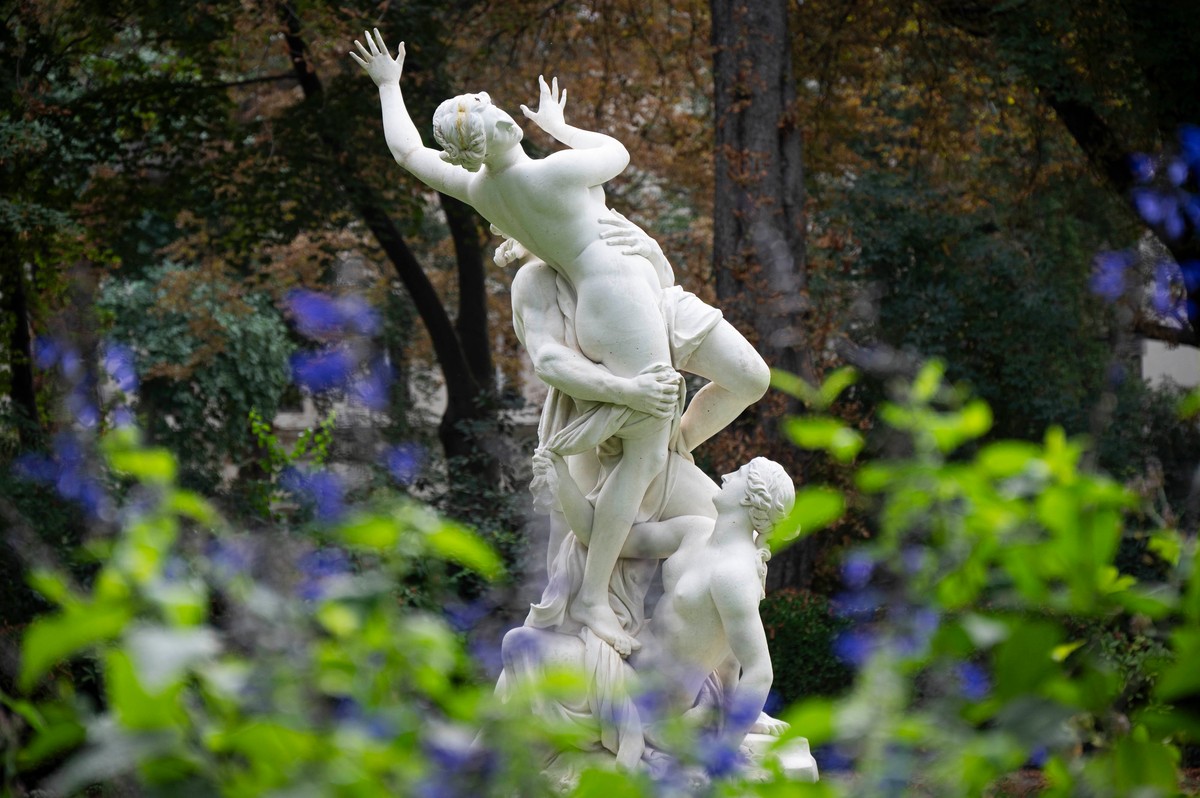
[(458, 130), (770, 494)]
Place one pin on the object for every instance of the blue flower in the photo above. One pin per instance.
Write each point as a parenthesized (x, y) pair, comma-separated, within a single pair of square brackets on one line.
[(316, 314), (404, 462), (230, 558), (320, 490), (37, 468), (857, 569), (317, 568), (1190, 272), (854, 647), (323, 370), (859, 604), (81, 407), (973, 681), (464, 617), (1141, 167), (123, 417), (1150, 205), (119, 363), (921, 623), (372, 388), (71, 364), (718, 756), (358, 316), (1163, 299), (1189, 145), (45, 352), (1177, 172), (320, 316), (1108, 274), (1038, 756)]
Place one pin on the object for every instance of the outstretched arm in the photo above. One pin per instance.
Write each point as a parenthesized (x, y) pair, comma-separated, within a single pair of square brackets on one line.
[(593, 157), (398, 129)]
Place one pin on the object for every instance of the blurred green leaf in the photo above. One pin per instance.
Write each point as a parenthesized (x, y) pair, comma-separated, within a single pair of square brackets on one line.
[(825, 433), (1004, 459), (52, 639), (156, 466), (816, 508), (377, 532), (1189, 406), (461, 545), (837, 381)]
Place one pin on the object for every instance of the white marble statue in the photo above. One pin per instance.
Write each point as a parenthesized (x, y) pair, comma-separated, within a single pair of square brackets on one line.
[(554, 206), (596, 307)]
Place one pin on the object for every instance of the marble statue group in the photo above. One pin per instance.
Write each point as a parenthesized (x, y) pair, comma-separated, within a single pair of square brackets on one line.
[(596, 306)]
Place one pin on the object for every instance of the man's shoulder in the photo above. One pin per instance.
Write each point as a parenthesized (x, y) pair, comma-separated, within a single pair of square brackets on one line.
[(534, 283)]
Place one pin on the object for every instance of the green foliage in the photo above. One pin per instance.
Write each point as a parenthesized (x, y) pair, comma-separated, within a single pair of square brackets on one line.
[(208, 359), (311, 448), (1004, 626), (801, 628)]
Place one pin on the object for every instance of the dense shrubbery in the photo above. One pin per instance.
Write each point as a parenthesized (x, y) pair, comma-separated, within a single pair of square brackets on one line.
[(801, 628)]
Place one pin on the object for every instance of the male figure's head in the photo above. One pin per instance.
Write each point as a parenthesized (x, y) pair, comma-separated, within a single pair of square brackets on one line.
[(763, 488), (469, 129)]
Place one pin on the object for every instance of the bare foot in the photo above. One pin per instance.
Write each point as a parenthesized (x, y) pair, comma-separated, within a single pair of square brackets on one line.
[(604, 624), (768, 725)]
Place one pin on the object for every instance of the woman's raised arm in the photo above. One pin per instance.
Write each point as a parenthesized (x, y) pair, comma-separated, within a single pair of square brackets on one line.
[(594, 158), (398, 129)]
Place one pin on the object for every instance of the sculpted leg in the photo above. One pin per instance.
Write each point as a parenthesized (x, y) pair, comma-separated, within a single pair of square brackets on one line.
[(616, 509), (739, 378)]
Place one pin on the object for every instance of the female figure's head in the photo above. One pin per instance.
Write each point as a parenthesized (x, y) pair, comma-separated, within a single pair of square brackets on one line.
[(468, 128), (765, 490)]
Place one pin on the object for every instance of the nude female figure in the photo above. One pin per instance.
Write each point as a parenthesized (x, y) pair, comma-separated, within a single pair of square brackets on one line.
[(553, 206)]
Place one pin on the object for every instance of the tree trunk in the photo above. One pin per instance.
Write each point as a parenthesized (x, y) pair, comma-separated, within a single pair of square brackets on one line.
[(758, 215), (758, 218), (20, 342), (463, 350)]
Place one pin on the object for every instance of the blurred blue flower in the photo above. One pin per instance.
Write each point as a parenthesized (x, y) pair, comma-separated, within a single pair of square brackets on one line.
[(323, 370), (33, 467), (372, 388), (857, 569), (230, 557), (45, 352), (854, 647), (1116, 374), (319, 566), (461, 769), (1038, 756), (741, 712), (1189, 145), (1141, 167), (1189, 270), (404, 462), (973, 681), (119, 362), (1108, 274), (857, 604), (70, 363), (1150, 204), (913, 559), (651, 703), (717, 755), (833, 758), (463, 617), (123, 417), (1173, 223), (1177, 172), (359, 316), (1163, 299), (321, 491), (919, 626), (320, 316), (79, 404)]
